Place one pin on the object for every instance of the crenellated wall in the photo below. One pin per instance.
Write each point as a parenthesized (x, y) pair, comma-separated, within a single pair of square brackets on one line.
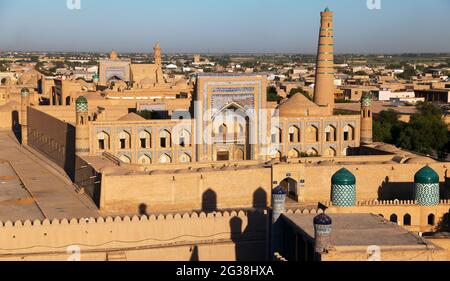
[(225, 235)]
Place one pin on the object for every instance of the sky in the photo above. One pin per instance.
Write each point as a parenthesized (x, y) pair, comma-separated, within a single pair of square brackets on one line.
[(224, 26)]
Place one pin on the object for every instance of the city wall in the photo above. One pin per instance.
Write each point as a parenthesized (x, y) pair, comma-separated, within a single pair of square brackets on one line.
[(235, 235), (211, 190), (52, 137)]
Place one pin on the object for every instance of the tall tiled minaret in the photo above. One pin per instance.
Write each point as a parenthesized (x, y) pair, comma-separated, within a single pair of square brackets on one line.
[(324, 85)]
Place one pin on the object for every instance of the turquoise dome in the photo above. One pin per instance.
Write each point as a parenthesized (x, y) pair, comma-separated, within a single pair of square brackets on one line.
[(81, 104), (327, 9), (25, 92), (343, 177), (366, 99), (426, 175)]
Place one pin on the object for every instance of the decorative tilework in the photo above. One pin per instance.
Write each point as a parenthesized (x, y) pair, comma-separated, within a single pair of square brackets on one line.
[(343, 195), (427, 194)]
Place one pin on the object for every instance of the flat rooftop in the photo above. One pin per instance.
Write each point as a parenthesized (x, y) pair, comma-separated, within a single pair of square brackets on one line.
[(358, 230)]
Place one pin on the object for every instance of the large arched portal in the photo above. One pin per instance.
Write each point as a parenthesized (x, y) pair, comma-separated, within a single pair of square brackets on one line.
[(230, 134), (290, 186)]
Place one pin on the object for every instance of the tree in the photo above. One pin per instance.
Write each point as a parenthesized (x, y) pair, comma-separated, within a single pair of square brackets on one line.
[(426, 132), (386, 126), (272, 94), (408, 73)]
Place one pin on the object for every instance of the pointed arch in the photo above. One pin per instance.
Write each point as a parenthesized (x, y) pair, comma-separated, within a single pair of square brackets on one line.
[(165, 140), (294, 134), (185, 158), (125, 159), (145, 160), (145, 139), (312, 134), (330, 134), (124, 140), (103, 141), (164, 159), (293, 153)]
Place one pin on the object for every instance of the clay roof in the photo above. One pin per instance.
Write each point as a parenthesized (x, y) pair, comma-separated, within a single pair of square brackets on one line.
[(297, 105), (131, 117)]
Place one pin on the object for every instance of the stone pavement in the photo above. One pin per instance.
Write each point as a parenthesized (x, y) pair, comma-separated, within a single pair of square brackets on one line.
[(46, 195)]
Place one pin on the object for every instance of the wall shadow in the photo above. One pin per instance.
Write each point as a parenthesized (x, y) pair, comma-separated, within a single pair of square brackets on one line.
[(209, 201), (260, 198), (15, 125), (194, 254), (404, 190), (142, 209), (396, 190), (69, 159), (250, 243)]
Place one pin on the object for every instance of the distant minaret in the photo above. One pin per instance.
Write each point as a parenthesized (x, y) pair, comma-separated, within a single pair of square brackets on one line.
[(366, 118), (157, 52), (324, 85), (25, 102), (159, 72)]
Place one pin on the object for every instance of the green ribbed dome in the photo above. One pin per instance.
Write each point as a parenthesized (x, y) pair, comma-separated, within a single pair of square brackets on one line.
[(327, 9), (343, 177), (25, 92), (426, 175), (81, 104), (366, 99), (95, 76)]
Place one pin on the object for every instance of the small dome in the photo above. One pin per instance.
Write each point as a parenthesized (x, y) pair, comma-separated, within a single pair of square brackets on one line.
[(366, 99), (322, 219), (327, 9), (95, 77), (419, 160), (113, 55), (426, 175), (343, 177), (279, 191), (25, 92), (81, 104)]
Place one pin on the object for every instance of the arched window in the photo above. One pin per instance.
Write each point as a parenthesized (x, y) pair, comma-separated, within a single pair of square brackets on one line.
[(145, 160), (431, 219), (184, 158), (276, 154), (330, 134), (329, 152), (294, 134), (312, 152), (124, 140), (349, 133), (393, 218), (223, 131), (407, 219), (276, 135), (293, 153), (145, 139), (164, 139), (184, 138), (312, 134), (165, 159), (125, 159), (239, 155)]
